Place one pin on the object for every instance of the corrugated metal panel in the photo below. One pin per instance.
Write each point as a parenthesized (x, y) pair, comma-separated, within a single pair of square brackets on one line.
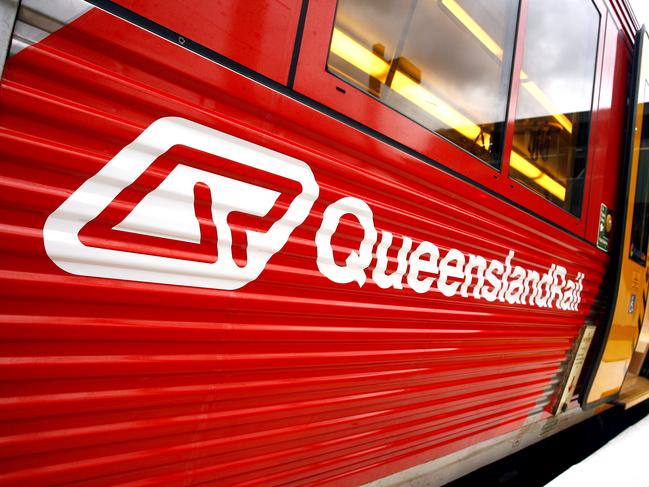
[(291, 380), (238, 31)]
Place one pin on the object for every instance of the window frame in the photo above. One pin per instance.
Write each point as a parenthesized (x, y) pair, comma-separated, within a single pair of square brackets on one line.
[(515, 185), (314, 81)]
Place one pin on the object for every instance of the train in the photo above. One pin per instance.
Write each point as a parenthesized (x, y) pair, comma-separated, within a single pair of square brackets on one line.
[(316, 242)]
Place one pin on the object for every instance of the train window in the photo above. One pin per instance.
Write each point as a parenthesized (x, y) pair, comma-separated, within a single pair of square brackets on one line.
[(640, 225), (553, 112), (445, 64)]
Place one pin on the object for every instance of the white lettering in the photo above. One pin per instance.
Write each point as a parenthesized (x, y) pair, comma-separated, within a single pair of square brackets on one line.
[(379, 275), (418, 264), (478, 263), (504, 280), (494, 269), (357, 261), (516, 288), (555, 290), (541, 298), (448, 270)]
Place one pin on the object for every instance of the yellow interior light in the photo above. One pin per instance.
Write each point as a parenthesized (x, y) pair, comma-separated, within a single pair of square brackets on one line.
[(351, 51), (529, 170), (487, 41), (434, 105), (543, 99), (473, 27)]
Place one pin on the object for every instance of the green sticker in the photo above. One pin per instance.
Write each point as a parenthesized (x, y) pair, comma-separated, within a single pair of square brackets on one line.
[(602, 237)]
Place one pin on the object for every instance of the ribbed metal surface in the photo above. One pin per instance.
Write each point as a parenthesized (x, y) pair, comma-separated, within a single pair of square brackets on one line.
[(292, 379)]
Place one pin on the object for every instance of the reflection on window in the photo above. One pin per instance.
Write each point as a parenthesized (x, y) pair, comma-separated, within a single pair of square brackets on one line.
[(640, 225), (554, 101), (444, 63)]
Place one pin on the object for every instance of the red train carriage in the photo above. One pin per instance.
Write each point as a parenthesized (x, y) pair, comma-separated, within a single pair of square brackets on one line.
[(298, 243)]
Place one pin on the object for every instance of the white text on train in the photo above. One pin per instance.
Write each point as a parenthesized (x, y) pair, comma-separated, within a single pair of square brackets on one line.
[(426, 269)]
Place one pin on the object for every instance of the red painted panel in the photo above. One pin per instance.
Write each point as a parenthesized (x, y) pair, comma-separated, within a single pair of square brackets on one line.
[(259, 34), (609, 128), (292, 378)]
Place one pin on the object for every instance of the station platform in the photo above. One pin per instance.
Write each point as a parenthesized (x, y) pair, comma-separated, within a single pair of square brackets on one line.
[(622, 461), (611, 448)]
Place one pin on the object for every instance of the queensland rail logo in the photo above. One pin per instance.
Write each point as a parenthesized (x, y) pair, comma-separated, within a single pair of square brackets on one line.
[(169, 213), (168, 210)]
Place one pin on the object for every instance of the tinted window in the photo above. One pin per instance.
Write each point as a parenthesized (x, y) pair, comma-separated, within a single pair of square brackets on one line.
[(444, 63), (640, 225), (553, 113)]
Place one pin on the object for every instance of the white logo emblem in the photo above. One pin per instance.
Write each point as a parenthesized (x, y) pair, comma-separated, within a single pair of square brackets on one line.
[(168, 210)]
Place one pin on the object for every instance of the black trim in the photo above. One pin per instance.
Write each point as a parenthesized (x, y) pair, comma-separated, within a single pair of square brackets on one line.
[(644, 370), (298, 43), (620, 252), (507, 84), (5, 55), (186, 43), (600, 402), (181, 41), (594, 115), (591, 138)]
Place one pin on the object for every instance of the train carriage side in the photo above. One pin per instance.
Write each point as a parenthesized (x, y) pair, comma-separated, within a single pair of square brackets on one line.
[(285, 242)]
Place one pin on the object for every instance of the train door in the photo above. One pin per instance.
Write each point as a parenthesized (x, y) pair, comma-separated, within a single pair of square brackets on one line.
[(619, 360)]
